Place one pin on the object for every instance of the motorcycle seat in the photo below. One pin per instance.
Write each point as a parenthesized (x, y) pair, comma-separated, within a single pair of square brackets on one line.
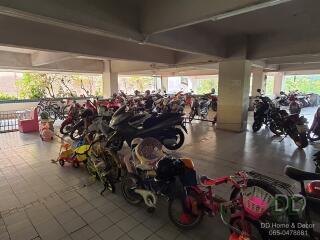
[(206, 181), (300, 175), (137, 120)]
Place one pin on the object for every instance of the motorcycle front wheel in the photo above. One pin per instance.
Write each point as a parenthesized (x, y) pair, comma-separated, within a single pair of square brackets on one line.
[(301, 141), (179, 135), (256, 126), (275, 129)]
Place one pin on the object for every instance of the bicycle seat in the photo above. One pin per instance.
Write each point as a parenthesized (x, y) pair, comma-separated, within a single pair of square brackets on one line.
[(300, 175), (206, 181)]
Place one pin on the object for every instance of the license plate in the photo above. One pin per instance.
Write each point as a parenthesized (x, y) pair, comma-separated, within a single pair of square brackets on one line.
[(302, 128)]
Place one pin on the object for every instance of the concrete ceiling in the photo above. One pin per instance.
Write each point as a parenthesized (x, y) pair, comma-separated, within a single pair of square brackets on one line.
[(151, 36)]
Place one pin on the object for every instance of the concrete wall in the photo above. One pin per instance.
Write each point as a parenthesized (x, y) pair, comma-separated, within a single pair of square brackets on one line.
[(17, 106)]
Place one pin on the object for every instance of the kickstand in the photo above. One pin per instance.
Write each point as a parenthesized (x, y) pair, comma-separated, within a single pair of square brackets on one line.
[(103, 190)]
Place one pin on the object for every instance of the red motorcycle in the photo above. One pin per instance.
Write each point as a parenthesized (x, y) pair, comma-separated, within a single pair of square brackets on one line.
[(72, 118), (110, 105)]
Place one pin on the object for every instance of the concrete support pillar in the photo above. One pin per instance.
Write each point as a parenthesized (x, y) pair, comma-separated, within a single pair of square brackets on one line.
[(109, 80), (164, 83), (258, 81), (278, 83), (234, 84)]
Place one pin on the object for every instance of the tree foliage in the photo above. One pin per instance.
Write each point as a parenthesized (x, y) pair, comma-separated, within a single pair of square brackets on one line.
[(5, 96), (39, 85), (303, 83), (206, 85), (141, 83), (31, 86)]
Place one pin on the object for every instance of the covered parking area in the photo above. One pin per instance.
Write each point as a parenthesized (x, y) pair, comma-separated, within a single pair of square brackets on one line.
[(231, 39)]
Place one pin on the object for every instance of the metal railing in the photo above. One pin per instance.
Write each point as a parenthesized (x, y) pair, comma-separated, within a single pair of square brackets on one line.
[(37, 100), (9, 120)]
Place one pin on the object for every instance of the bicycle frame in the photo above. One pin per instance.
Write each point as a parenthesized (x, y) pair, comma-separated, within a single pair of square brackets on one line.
[(213, 205)]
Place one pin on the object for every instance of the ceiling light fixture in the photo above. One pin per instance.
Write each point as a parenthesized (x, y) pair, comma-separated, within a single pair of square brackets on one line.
[(248, 9)]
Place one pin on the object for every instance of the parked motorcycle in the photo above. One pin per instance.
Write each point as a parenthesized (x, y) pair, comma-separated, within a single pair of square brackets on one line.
[(86, 118), (294, 126), (317, 161), (72, 118), (314, 131), (308, 213), (199, 107), (294, 105), (261, 113), (162, 127), (284, 101)]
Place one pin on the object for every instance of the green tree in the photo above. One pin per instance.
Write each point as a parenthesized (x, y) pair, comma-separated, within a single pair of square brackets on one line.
[(5, 96), (140, 83), (269, 85), (206, 85), (303, 83), (31, 86)]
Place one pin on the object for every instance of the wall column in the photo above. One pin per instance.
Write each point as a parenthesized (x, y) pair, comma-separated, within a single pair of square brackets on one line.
[(164, 83), (109, 80), (233, 102), (278, 83), (258, 81)]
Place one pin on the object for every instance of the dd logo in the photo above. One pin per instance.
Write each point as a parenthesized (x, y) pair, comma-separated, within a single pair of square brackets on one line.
[(291, 204)]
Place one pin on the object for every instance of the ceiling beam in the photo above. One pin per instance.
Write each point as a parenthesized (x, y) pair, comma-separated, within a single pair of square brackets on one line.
[(161, 16), (28, 34), (43, 58), (22, 61), (189, 40), (299, 67), (283, 46), (112, 18), (302, 59), (107, 22)]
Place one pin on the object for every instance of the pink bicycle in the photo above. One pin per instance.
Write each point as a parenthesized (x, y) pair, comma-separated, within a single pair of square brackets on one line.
[(240, 214)]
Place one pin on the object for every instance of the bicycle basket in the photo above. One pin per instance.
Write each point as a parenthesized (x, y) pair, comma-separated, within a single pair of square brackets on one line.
[(256, 201)]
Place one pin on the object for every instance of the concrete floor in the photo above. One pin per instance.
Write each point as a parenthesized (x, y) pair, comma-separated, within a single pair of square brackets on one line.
[(41, 200)]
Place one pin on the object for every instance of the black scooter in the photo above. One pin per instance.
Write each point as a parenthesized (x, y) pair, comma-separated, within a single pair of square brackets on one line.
[(261, 113), (163, 127)]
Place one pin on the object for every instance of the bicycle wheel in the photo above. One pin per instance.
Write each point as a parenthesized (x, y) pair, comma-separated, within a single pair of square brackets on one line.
[(52, 115), (185, 210)]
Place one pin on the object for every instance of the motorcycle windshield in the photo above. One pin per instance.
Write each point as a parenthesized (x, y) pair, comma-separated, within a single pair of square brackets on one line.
[(120, 111), (120, 117)]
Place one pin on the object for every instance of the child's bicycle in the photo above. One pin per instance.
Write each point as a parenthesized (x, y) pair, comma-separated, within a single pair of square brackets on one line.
[(103, 163), (74, 155), (240, 214)]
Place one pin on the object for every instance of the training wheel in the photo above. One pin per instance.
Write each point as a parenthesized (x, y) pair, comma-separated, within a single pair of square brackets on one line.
[(61, 162)]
